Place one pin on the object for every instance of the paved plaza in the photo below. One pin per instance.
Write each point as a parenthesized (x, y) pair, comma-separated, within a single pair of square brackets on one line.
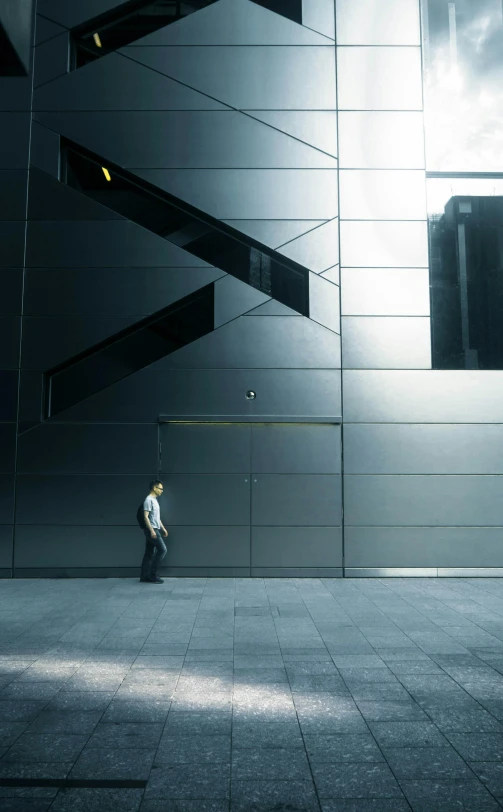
[(210, 695)]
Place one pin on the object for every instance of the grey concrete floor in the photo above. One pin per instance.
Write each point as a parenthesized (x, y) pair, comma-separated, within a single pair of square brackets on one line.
[(252, 695)]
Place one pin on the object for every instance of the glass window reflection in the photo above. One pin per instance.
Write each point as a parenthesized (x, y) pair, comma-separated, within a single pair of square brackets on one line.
[(466, 272), (463, 84)]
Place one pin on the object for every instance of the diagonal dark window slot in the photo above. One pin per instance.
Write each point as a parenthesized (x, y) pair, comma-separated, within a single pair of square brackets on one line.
[(197, 233), (129, 351), (133, 20)]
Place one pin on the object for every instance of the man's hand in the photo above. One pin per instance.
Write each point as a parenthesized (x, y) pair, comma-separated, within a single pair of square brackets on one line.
[(164, 531)]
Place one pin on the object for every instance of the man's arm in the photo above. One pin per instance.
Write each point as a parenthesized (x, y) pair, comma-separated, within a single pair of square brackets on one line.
[(147, 524), (163, 528)]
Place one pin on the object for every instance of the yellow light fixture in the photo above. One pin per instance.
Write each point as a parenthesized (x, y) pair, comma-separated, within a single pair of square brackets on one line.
[(106, 173), (97, 41)]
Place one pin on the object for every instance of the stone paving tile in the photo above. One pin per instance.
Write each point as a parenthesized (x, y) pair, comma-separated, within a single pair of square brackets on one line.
[(166, 663), (365, 805), (47, 793), (263, 796), (446, 796), (127, 735), (216, 655), (390, 711), (97, 800), (211, 669), (407, 734), (354, 677), (45, 747), (190, 782), (198, 723), (329, 684), (80, 701), (72, 722), (399, 667), (465, 720), (390, 655), (270, 765), (113, 764), (25, 805), (30, 690), (379, 692), (311, 669), (207, 701), (491, 774), (478, 746), (355, 781), (14, 710), (193, 750), (20, 769), (426, 763), (251, 735), (358, 661), (184, 806), (342, 747), (10, 731), (136, 710)]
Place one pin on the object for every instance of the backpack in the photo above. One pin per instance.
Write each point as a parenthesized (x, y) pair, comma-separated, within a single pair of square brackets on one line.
[(140, 517)]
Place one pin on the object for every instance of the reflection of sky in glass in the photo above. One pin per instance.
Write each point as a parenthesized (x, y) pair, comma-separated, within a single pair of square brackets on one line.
[(463, 58), (440, 190)]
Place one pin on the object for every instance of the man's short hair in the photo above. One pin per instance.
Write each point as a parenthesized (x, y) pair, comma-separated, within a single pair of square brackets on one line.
[(154, 483)]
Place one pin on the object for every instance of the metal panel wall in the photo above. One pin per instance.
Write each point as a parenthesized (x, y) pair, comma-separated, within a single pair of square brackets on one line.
[(421, 464), (15, 125), (238, 117), (248, 99)]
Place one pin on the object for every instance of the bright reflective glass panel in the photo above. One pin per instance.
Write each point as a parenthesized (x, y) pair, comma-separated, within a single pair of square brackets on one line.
[(371, 244), (374, 22), (463, 85), (385, 292), (381, 140), (379, 78), (395, 194), (465, 218)]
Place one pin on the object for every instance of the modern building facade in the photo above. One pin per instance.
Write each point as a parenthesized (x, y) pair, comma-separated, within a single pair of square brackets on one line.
[(216, 270)]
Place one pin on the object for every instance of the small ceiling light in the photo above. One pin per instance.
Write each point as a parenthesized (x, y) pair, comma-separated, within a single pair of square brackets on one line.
[(250, 395), (106, 173), (97, 41)]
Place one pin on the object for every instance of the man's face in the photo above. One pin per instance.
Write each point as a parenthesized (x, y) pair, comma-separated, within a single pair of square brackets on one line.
[(158, 489)]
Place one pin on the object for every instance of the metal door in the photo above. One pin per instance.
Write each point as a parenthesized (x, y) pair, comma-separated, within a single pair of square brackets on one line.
[(251, 498)]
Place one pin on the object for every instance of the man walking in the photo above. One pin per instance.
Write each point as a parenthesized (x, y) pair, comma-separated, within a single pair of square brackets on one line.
[(155, 548)]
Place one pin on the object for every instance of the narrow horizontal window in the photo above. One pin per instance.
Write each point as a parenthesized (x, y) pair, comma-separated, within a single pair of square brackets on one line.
[(134, 20), (194, 231), (129, 351)]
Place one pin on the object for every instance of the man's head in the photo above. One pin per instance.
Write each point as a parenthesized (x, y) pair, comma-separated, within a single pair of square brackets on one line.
[(156, 487)]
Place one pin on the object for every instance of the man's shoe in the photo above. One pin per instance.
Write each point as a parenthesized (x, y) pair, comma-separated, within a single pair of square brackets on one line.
[(156, 580)]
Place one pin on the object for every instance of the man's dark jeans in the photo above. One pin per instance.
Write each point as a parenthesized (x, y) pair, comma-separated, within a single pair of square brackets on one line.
[(155, 550)]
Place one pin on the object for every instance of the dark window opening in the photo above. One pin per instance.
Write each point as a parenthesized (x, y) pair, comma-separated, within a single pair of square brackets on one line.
[(129, 351), (11, 63), (291, 9), (195, 232), (466, 279), (135, 20)]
